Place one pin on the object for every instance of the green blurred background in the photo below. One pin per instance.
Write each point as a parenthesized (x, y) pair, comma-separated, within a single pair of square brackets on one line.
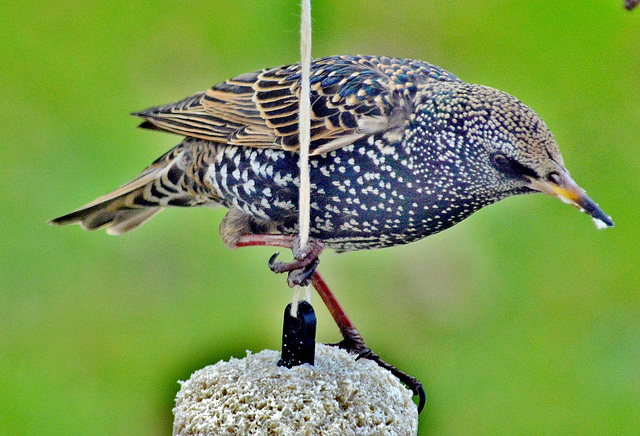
[(521, 320)]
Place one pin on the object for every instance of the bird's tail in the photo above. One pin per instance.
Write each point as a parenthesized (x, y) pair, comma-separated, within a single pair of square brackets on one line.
[(161, 185)]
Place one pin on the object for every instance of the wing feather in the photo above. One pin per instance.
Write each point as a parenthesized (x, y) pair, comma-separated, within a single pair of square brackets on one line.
[(352, 96)]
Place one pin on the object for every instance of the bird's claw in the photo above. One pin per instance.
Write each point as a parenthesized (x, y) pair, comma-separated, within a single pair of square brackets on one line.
[(357, 346), (367, 353), (410, 381), (301, 276), (274, 266), (304, 265)]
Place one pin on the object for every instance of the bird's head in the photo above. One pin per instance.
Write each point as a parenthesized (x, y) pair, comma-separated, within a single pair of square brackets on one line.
[(511, 150)]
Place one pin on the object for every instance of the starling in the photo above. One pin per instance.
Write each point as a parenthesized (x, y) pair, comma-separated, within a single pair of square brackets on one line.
[(400, 149)]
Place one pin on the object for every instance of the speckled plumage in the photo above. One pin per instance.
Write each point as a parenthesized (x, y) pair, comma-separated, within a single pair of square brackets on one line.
[(400, 149)]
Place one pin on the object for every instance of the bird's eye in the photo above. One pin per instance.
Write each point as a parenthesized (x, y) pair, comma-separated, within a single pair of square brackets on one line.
[(555, 178), (511, 168), (500, 161)]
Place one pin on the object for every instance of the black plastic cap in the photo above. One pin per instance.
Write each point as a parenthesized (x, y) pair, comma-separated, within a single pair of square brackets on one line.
[(298, 336)]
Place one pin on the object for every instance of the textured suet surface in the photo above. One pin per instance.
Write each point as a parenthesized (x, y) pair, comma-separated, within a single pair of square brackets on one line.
[(400, 149), (336, 396)]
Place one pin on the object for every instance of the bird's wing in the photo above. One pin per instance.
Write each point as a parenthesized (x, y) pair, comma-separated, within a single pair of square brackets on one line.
[(352, 96)]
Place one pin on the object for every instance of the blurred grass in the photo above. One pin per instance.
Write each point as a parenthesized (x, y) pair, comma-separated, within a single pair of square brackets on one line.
[(521, 320)]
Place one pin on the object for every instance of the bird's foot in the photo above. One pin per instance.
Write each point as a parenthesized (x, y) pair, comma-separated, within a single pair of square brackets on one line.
[(306, 260), (353, 343)]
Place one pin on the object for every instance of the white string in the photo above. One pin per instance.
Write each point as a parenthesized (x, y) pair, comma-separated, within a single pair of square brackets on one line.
[(304, 128), (294, 302), (307, 294), (304, 125)]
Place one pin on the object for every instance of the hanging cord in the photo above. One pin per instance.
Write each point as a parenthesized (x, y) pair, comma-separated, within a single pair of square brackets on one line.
[(304, 128), (305, 123)]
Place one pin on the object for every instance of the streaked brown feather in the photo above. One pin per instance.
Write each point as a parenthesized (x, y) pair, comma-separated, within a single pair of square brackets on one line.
[(351, 97)]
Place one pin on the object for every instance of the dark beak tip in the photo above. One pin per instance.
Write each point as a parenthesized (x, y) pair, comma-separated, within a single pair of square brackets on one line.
[(601, 220), (600, 225)]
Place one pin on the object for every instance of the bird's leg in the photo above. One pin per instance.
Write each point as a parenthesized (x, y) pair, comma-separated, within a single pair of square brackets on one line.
[(305, 265), (305, 258), (354, 343)]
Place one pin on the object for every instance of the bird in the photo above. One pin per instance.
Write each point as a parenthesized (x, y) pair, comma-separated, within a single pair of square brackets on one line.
[(400, 149)]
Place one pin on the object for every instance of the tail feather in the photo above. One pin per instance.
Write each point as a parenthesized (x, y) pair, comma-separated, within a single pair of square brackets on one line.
[(118, 215), (128, 207)]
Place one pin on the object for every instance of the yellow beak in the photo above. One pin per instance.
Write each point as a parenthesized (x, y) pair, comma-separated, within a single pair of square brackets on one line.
[(564, 188)]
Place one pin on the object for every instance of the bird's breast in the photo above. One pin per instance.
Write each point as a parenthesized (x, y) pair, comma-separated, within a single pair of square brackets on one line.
[(362, 195)]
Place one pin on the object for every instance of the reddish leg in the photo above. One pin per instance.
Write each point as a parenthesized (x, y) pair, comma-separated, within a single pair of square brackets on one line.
[(303, 255), (306, 262), (354, 343), (285, 241)]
